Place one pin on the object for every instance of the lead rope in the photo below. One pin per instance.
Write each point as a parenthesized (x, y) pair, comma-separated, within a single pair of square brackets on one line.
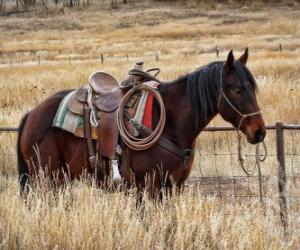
[(258, 160), (258, 157)]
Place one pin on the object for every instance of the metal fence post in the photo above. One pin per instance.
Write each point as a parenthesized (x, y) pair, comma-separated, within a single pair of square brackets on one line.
[(281, 177)]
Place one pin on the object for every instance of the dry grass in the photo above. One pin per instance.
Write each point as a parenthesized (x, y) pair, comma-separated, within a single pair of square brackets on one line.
[(82, 216)]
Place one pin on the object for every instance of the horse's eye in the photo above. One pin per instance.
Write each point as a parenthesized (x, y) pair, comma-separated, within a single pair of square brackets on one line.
[(238, 91)]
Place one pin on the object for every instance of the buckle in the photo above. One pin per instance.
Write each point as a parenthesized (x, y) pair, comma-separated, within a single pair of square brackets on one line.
[(187, 154)]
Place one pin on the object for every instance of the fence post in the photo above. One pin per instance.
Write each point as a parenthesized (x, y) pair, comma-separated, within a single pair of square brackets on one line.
[(217, 51), (281, 177), (102, 58), (280, 48)]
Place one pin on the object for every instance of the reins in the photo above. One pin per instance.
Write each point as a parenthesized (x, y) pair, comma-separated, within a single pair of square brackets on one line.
[(258, 157)]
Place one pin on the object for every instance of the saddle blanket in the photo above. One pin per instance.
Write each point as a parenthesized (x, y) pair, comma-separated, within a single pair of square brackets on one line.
[(73, 123), (65, 119)]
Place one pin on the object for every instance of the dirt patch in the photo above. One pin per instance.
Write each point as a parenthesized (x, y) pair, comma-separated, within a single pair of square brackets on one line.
[(237, 186)]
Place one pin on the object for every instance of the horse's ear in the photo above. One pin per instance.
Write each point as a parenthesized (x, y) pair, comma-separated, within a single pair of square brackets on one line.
[(230, 60), (243, 59)]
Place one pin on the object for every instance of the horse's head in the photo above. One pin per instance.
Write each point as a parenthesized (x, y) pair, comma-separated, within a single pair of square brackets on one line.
[(237, 101)]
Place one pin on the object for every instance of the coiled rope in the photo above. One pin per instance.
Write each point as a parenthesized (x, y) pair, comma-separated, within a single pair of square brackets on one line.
[(148, 141)]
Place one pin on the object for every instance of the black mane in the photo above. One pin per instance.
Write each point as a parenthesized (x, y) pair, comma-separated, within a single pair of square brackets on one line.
[(244, 74), (204, 83), (203, 87), (202, 90)]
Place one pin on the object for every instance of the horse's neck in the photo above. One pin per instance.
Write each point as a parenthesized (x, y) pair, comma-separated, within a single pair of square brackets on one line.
[(180, 123)]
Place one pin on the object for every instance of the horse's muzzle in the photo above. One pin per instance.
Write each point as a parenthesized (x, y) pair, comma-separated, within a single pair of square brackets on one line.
[(256, 136)]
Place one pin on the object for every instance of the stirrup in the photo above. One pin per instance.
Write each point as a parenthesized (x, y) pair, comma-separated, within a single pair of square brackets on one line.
[(115, 170)]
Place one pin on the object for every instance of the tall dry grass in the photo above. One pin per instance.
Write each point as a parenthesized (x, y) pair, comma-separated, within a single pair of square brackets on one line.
[(82, 216)]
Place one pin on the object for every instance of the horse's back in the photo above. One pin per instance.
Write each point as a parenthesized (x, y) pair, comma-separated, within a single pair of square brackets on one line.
[(39, 119), (38, 123)]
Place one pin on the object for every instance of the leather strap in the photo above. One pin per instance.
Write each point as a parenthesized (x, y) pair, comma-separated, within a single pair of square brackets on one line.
[(108, 134), (168, 145), (88, 137), (173, 148), (146, 75)]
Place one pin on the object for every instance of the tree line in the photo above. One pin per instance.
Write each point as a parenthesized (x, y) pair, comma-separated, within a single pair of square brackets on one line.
[(16, 6), (26, 4)]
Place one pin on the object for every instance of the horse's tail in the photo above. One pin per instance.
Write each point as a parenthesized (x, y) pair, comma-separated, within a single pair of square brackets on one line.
[(22, 166)]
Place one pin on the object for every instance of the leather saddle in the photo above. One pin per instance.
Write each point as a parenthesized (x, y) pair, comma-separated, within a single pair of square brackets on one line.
[(106, 97), (106, 94)]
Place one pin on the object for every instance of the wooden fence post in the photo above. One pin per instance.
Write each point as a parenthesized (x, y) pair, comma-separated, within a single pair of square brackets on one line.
[(217, 52), (280, 48), (102, 58), (281, 177)]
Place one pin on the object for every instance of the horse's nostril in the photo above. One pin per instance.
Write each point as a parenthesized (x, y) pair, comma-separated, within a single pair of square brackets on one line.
[(259, 135)]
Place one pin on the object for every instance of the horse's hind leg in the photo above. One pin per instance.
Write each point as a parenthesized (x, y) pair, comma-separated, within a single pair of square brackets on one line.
[(44, 159)]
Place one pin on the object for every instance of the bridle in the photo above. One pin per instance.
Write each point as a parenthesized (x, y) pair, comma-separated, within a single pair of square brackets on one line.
[(239, 133), (222, 94)]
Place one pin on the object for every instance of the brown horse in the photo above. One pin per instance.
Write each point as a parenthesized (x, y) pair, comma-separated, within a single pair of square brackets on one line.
[(191, 102)]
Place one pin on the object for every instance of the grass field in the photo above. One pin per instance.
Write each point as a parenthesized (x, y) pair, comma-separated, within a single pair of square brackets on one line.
[(178, 38)]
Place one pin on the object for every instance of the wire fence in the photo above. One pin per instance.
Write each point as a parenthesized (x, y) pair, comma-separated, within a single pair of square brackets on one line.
[(42, 58), (216, 170)]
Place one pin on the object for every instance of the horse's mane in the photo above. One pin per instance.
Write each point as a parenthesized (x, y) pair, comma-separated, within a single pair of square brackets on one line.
[(202, 87), (202, 90), (204, 83)]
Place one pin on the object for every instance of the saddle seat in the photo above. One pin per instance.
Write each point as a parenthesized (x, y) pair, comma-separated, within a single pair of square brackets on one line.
[(103, 83), (106, 94)]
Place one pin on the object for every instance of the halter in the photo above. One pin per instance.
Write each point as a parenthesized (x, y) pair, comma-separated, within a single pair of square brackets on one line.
[(222, 94), (239, 134)]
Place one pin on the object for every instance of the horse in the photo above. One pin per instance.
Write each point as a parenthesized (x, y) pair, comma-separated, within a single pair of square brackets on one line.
[(226, 87)]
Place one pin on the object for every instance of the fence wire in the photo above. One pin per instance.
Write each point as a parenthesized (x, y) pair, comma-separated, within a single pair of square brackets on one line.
[(216, 171)]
